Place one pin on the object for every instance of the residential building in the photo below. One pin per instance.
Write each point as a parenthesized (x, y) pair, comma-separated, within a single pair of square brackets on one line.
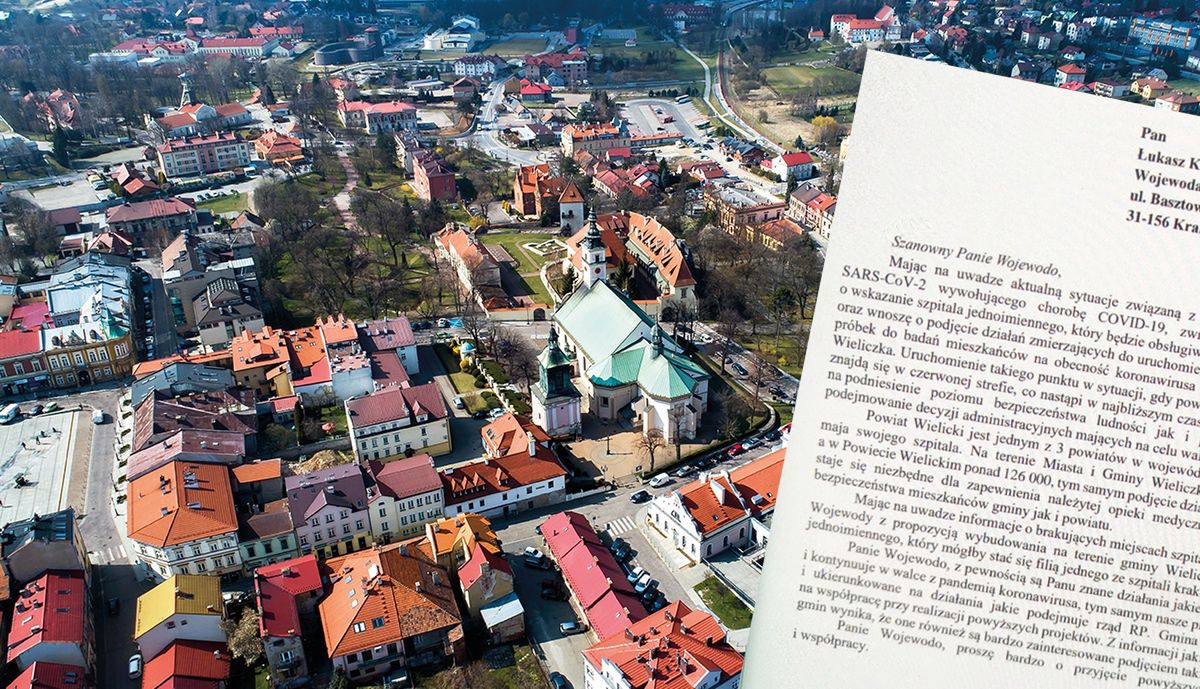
[(198, 664), (182, 520), (40, 675), (154, 220), (478, 66), (329, 511), (52, 622), (813, 208), (478, 271), (203, 155), (182, 608), (388, 609), (1150, 88), (675, 647), (278, 148), (253, 47), (721, 510), (627, 366), (570, 67), (225, 310), (266, 535), (594, 138), (211, 282), (398, 421), (450, 541), (194, 119), (738, 207), (464, 89), (1178, 101), (1069, 73), (30, 547), (776, 233), (22, 363), (373, 118), (287, 594), (403, 496), (596, 582), (56, 109), (534, 187), (433, 179), (87, 333), (660, 258), (1109, 88), (511, 434), (797, 165), (485, 578), (218, 447), (1165, 33), (506, 485), (159, 416), (535, 91)]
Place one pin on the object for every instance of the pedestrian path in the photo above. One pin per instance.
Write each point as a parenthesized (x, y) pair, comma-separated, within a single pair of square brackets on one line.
[(620, 526), (109, 555)]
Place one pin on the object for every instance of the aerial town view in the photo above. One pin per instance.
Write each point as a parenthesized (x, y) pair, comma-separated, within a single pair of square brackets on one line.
[(422, 343)]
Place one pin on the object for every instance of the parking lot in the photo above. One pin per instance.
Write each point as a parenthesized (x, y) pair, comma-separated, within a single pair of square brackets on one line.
[(40, 450)]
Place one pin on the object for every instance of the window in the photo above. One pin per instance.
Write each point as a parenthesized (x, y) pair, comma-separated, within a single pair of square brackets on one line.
[(314, 522), (250, 552), (360, 627), (332, 532), (603, 401), (317, 536), (304, 540), (344, 514), (18, 368), (377, 622), (266, 547), (366, 655), (329, 519), (201, 567), (384, 526), (358, 524), (345, 528), (382, 511)]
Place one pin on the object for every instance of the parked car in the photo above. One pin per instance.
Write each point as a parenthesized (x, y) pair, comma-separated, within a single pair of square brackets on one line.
[(620, 549), (458, 402), (736, 449), (557, 681), (635, 574), (786, 428), (497, 413), (752, 443), (569, 628), (443, 323), (645, 583), (50, 406), (481, 414), (640, 497), (739, 369), (135, 666), (772, 436), (707, 463), (97, 417), (660, 480), (35, 410), (651, 595)]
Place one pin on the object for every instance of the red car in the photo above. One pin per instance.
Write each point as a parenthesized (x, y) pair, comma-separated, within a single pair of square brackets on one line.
[(736, 450)]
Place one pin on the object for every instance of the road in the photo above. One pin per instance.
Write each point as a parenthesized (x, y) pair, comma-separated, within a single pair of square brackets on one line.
[(158, 323), (488, 140), (744, 357), (612, 515)]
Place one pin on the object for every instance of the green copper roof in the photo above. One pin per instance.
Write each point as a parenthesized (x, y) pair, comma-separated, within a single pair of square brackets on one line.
[(601, 320), (665, 375)]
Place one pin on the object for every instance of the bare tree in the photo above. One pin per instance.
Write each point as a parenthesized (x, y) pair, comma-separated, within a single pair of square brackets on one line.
[(676, 416), (243, 635), (649, 443)]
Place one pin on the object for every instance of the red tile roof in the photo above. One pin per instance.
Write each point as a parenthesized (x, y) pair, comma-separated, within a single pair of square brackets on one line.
[(388, 333), (657, 243), (145, 210), (486, 477), (1071, 68), (598, 582), (258, 470), (181, 502), (404, 478), (186, 659), (41, 675), (49, 609), (797, 158), (19, 343), (278, 586), (757, 483), (509, 434), (391, 404), (472, 569), (674, 648), (390, 594)]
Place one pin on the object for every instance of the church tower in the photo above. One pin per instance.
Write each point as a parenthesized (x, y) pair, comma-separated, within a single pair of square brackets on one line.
[(555, 398), (594, 261), (570, 209)]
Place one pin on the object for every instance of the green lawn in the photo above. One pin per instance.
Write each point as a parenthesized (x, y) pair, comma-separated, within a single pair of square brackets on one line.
[(1186, 85), (262, 678), (517, 47), (788, 81), (682, 67), (527, 261), (384, 179), (335, 415), (732, 612), (234, 203), (524, 674)]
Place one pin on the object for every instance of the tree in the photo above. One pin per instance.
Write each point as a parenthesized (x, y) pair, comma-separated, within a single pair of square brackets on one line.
[(385, 146), (518, 357), (59, 147), (339, 681), (243, 637), (825, 129), (676, 416), (566, 282), (649, 443)]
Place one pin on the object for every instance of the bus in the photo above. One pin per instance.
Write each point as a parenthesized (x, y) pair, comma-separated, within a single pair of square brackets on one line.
[(683, 99), (9, 413)]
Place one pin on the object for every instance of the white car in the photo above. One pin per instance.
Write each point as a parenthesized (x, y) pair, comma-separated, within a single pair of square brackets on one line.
[(660, 481)]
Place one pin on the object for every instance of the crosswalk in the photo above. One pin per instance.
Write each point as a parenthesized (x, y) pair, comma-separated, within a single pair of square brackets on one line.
[(109, 555), (620, 526)]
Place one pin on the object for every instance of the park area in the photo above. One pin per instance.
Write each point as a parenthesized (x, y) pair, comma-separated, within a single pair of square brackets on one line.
[(517, 47), (648, 60)]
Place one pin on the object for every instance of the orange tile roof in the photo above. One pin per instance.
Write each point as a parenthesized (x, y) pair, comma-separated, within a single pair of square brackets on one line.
[(509, 434), (199, 660), (659, 245), (181, 502), (611, 229), (260, 470), (472, 570), (491, 476), (383, 595), (757, 483), (674, 648), (337, 329), (462, 531), (146, 368), (264, 348), (529, 175), (465, 245), (571, 194)]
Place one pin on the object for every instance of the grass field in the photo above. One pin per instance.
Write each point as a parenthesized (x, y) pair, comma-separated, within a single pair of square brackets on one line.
[(517, 47), (683, 67), (1185, 85), (234, 203), (732, 612), (512, 241), (788, 81)]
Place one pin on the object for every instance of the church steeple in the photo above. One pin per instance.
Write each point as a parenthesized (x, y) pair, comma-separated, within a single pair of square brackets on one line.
[(594, 254)]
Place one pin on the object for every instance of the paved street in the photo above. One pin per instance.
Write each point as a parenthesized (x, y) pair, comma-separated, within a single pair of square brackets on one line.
[(161, 328)]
